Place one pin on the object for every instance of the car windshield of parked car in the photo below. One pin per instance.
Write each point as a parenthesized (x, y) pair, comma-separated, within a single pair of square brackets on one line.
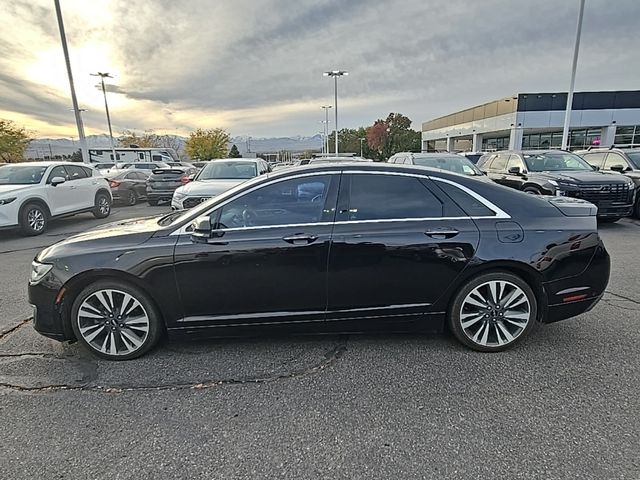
[(21, 174), (635, 158), (550, 162), (220, 170), (457, 164)]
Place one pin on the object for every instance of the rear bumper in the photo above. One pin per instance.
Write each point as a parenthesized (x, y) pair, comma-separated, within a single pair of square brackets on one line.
[(160, 194), (572, 296)]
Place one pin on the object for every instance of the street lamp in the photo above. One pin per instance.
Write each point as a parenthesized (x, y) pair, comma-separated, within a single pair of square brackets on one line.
[(576, 49), (335, 74), (361, 140), (106, 107), (326, 122), (74, 100)]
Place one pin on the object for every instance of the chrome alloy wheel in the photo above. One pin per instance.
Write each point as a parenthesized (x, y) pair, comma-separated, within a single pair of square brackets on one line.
[(495, 313), (35, 219), (113, 322), (103, 205)]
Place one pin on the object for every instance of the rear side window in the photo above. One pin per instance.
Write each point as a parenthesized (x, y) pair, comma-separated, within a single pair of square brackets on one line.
[(383, 197), (471, 205)]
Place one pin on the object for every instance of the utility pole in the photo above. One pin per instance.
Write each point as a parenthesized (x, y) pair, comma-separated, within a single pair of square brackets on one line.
[(361, 140), (106, 107), (576, 49), (335, 74), (74, 100), (326, 122)]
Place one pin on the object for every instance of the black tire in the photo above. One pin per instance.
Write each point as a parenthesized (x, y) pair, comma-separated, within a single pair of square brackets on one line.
[(153, 203), (493, 320), (609, 219), (34, 219), (532, 190), (109, 329), (636, 210), (132, 198), (102, 207)]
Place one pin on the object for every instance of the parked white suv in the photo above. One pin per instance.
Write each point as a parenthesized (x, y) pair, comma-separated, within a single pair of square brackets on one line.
[(33, 193)]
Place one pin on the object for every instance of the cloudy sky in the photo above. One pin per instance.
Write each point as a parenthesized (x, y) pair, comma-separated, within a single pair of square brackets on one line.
[(255, 67)]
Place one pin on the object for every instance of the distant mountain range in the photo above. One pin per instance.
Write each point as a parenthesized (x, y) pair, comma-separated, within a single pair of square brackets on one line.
[(248, 146)]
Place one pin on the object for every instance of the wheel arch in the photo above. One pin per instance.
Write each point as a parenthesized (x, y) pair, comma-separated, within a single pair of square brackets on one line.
[(535, 185), (39, 200), (77, 283), (105, 191)]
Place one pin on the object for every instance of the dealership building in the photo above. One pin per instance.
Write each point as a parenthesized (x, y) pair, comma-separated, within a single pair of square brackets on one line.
[(535, 121)]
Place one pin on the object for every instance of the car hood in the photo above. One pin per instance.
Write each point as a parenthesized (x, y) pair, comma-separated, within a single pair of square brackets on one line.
[(209, 187), (114, 236), (580, 177), (12, 188)]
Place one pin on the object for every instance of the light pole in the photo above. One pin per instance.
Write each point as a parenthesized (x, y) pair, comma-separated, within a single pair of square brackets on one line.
[(576, 49), (74, 100), (106, 107), (326, 122), (335, 74), (361, 140)]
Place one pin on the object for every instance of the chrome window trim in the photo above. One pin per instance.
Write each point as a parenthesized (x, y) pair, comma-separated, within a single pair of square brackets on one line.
[(500, 214)]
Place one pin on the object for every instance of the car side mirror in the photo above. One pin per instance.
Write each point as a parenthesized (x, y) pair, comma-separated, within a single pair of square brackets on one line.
[(618, 168), (57, 181), (596, 167), (515, 171), (201, 229), (191, 177)]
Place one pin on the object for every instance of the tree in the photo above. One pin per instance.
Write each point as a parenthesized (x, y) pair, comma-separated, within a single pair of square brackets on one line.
[(13, 141), (207, 144), (392, 135), (234, 153), (76, 156), (129, 137), (349, 142)]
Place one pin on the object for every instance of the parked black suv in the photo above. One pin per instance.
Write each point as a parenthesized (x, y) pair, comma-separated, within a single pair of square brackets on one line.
[(620, 160), (557, 172)]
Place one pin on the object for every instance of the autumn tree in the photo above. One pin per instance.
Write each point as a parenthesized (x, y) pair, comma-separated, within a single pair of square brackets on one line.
[(392, 135), (13, 141), (143, 140), (207, 144), (234, 152), (349, 142)]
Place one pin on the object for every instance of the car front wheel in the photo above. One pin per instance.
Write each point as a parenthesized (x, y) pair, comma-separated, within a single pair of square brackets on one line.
[(33, 219), (115, 321), (493, 311), (102, 208)]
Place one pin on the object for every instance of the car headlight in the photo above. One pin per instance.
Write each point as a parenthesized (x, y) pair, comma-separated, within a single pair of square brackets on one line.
[(38, 272), (6, 201)]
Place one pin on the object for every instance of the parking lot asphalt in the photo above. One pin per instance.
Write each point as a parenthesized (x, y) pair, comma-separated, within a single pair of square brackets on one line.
[(563, 404)]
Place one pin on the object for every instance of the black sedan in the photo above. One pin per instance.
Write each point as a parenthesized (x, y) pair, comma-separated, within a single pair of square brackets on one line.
[(128, 186), (332, 248)]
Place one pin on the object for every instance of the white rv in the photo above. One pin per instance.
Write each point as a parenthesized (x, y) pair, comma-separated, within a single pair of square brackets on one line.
[(133, 154)]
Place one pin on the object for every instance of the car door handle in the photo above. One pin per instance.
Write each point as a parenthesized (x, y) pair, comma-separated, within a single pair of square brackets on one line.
[(441, 233), (300, 239), (72, 187)]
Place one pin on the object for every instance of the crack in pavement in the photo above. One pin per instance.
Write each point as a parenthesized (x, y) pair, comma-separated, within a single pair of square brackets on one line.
[(11, 330), (623, 297), (329, 359)]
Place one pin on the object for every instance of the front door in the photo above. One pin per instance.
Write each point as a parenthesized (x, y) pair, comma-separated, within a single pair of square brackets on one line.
[(266, 260), (396, 247), (62, 198)]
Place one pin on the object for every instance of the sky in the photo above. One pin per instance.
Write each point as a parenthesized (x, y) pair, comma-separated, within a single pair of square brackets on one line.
[(254, 67)]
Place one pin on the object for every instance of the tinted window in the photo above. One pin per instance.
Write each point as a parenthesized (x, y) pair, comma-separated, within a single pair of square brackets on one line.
[(499, 164), (20, 174), (58, 171), (515, 161), (295, 201), (89, 171), (635, 158), (614, 159), (75, 172), (452, 163), (471, 205), (549, 162), (379, 197), (228, 170), (594, 159)]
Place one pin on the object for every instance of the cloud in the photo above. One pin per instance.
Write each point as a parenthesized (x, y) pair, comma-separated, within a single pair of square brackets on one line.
[(256, 67)]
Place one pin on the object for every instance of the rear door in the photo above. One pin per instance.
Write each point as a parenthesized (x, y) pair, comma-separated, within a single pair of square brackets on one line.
[(396, 247), (82, 185)]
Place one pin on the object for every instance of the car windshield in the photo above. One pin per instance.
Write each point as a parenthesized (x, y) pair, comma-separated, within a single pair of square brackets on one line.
[(227, 170), (456, 164), (635, 158), (21, 174), (550, 162)]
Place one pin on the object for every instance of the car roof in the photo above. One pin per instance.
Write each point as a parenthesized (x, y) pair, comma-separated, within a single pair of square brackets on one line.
[(437, 154), (233, 160), (46, 164)]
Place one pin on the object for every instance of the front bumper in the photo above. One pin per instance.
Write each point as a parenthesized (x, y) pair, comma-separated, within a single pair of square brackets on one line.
[(48, 317), (610, 210)]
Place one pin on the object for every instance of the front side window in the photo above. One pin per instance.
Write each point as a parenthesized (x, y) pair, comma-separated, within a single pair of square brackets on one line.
[(295, 201), (613, 160), (595, 159), (549, 162), (499, 163), (383, 197), (228, 170), (75, 172), (515, 161), (635, 158), (58, 171)]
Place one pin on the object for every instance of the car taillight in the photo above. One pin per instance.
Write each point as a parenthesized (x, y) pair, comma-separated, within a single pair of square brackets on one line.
[(184, 180), (114, 184)]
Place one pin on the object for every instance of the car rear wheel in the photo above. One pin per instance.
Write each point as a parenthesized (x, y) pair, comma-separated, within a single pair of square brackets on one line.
[(153, 203), (132, 198), (493, 311), (532, 191), (115, 321), (102, 207), (33, 219)]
